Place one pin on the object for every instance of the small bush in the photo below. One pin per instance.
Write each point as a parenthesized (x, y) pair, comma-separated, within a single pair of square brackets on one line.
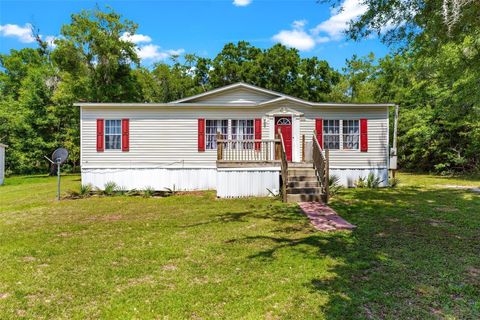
[(121, 191), (110, 188), (334, 184), (371, 181), (361, 183), (85, 190), (148, 192)]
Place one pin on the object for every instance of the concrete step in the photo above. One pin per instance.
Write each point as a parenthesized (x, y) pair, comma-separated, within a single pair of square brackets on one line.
[(304, 198), (303, 190), (303, 184)]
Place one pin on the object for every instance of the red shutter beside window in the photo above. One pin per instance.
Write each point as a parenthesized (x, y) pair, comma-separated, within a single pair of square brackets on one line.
[(363, 135), (201, 135), (100, 135), (125, 135), (319, 129), (258, 133)]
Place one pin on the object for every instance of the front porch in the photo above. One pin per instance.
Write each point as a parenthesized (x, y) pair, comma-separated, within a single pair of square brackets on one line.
[(300, 181)]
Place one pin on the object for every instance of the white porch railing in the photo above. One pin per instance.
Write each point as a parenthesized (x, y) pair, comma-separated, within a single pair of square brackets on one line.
[(264, 150)]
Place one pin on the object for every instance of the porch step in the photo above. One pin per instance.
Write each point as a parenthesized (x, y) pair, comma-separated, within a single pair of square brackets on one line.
[(296, 172), (313, 183), (310, 190), (308, 165), (304, 198)]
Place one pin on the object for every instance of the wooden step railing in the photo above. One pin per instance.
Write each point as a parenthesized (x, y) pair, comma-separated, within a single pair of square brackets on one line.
[(284, 167), (321, 165), (247, 150)]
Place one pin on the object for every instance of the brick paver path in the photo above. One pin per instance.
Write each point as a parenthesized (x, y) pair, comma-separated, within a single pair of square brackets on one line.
[(323, 217)]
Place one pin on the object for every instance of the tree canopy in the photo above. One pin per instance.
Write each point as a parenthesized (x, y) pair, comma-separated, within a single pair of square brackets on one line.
[(432, 72)]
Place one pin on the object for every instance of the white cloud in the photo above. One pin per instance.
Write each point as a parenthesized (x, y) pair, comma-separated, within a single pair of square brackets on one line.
[(135, 38), (331, 29), (23, 34), (241, 3), (335, 26), (297, 37), (154, 53), (50, 40)]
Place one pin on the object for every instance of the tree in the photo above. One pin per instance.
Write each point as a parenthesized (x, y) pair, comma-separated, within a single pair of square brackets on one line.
[(97, 59)]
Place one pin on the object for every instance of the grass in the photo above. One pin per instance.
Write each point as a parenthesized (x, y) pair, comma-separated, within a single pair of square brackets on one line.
[(415, 254)]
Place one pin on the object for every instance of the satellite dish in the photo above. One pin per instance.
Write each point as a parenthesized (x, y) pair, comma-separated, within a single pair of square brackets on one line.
[(59, 156)]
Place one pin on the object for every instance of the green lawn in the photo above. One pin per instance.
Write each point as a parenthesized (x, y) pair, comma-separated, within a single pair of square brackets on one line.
[(415, 254)]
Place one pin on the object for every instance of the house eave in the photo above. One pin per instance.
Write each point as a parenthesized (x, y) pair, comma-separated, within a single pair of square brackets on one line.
[(227, 105)]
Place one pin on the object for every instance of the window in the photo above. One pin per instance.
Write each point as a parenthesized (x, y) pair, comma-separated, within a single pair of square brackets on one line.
[(243, 130), (211, 129), (284, 121), (331, 134), (113, 134), (351, 134)]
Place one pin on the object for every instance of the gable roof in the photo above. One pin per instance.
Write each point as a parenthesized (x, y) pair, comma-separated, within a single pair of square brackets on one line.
[(238, 85), (234, 94)]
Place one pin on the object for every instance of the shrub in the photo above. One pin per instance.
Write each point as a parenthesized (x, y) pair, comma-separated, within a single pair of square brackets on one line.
[(361, 183), (371, 181), (148, 192), (121, 191), (110, 188), (85, 190), (334, 184)]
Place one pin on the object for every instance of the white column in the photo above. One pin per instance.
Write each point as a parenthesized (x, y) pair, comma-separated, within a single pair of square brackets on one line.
[(296, 152)]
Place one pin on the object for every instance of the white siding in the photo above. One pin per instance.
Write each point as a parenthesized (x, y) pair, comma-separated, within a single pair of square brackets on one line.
[(247, 183), (165, 137), (2, 164), (377, 154), (241, 95), (158, 137), (156, 178)]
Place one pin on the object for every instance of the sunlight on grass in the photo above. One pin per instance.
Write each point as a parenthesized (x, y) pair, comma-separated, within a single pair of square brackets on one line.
[(413, 255)]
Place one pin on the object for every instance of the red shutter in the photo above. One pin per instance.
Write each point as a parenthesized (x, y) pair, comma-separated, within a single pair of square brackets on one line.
[(100, 136), (258, 133), (201, 134), (319, 129), (125, 135), (363, 135)]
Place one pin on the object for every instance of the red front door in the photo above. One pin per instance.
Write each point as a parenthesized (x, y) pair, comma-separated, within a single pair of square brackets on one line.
[(285, 126)]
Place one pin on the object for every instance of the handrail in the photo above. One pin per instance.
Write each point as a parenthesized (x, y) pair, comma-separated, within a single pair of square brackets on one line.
[(246, 150), (321, 166), (284, 167)]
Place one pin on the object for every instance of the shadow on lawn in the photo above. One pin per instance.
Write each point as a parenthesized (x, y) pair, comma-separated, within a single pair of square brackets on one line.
[(279, 213), (413, 255)]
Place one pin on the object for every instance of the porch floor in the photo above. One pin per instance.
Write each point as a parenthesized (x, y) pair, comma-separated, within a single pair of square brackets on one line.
[(323, 217)]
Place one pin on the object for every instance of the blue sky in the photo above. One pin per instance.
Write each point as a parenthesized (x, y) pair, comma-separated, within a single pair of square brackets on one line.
[(202, 27)]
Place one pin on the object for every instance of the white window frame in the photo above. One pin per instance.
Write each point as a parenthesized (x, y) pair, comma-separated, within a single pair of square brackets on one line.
[(208, 134), (341, 134), (350, 134), (324, 134), (246, 145), (105, 135)]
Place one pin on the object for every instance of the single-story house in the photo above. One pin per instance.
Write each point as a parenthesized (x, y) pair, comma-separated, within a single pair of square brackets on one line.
[(174, 145)]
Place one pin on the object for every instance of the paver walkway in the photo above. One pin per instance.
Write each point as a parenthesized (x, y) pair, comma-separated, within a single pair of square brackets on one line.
[(324, 218)]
